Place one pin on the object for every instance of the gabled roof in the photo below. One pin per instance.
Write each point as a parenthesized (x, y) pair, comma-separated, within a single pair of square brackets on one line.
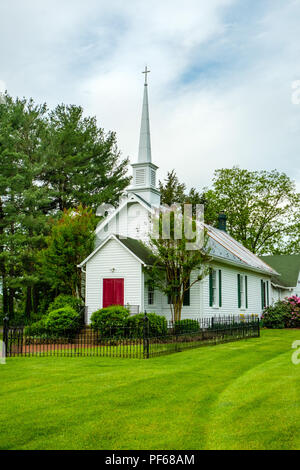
[(226, 248), (126, 200), (286, 265), (139, 249), (135, 247)]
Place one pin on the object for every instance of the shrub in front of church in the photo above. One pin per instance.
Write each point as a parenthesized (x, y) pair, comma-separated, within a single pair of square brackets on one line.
[(111, 322), (63, 300), (63, 321), (58, 323), (186, 326), (158, 325), (37, 329), (283, 314)]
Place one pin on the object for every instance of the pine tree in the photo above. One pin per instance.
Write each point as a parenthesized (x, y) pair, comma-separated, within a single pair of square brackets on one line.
[(82, 163)]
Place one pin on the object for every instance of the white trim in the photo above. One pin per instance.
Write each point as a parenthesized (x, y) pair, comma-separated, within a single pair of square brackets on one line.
[(110, 237), (119, 208)]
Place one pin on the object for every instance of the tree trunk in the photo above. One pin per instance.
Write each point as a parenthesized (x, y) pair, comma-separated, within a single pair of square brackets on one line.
[(35, 298), (11, 303), (28, 305)]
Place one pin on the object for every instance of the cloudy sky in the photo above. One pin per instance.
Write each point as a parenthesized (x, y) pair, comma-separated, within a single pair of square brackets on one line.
[(221, 83)]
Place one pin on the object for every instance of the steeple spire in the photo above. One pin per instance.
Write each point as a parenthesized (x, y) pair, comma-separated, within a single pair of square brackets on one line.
[(145, 142), (144, 171)]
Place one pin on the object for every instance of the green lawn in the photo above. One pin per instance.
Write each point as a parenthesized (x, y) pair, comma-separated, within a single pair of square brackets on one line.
[(242, 395)]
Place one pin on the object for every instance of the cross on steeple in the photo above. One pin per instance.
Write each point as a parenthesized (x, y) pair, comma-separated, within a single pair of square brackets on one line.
[(146, 71)]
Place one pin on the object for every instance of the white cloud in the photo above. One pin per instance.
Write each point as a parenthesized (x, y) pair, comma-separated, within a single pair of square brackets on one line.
[(220, 82)]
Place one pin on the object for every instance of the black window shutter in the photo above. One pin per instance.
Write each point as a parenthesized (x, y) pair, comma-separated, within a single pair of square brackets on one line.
[(220, 288), (210, 288), (239, 290), (186, 295), (246, 290)]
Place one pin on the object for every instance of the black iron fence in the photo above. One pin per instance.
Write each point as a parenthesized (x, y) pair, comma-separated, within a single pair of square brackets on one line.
[(130, 342)]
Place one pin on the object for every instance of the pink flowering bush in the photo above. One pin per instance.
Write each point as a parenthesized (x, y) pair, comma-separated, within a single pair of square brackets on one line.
[(283, 314)]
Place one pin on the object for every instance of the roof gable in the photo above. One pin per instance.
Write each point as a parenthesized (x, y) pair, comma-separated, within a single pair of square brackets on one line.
[(119, 240), (287, 265)]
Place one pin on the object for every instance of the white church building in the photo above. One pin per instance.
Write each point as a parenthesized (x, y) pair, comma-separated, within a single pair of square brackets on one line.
[(239, 282)]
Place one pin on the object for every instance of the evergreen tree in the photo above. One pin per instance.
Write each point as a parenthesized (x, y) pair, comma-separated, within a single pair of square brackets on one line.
[(22, 219), (82, 163)]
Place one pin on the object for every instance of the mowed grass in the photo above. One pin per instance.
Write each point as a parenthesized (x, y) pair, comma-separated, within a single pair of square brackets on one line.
[(242, 395)]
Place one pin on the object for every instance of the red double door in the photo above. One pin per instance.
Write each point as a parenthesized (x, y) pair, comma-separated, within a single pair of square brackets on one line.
[(113, 292)]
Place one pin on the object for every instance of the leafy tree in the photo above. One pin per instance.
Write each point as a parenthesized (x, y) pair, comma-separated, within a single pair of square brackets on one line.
[(82, 162), (70, 241), (176, 260), (262, 208)]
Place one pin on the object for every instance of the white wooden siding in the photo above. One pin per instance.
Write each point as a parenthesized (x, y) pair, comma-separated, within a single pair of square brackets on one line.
[(113, 255), (230, 292), (199, 297)]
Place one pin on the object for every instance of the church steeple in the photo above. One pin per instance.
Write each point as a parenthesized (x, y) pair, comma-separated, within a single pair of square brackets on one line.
[(145, 142), (144, 171)]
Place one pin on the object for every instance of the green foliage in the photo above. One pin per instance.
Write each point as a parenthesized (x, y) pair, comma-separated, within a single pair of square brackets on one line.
[(177, 256), (157, 325), (172, 191), (71, 240), (283, 314), (111, 321), (63, 300), (49, 162), (62, 321), (186, 326), (262, 208), (82, 163), (57, 323), (36, 329)]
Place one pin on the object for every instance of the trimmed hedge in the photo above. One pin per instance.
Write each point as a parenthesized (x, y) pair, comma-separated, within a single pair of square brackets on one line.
[(111, 321), (61, 322), (186, 326), (157, 324), (36, 329), (63, 300)]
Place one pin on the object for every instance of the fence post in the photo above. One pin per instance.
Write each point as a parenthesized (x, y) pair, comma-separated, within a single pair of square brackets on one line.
[(258, 328), (5, 334), (146, 336)]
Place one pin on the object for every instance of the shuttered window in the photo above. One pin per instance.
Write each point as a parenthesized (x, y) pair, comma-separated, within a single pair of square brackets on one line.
[(187, 296), (239, 290), (242, 291), (220, 288), (265, 294), (215, 288)]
